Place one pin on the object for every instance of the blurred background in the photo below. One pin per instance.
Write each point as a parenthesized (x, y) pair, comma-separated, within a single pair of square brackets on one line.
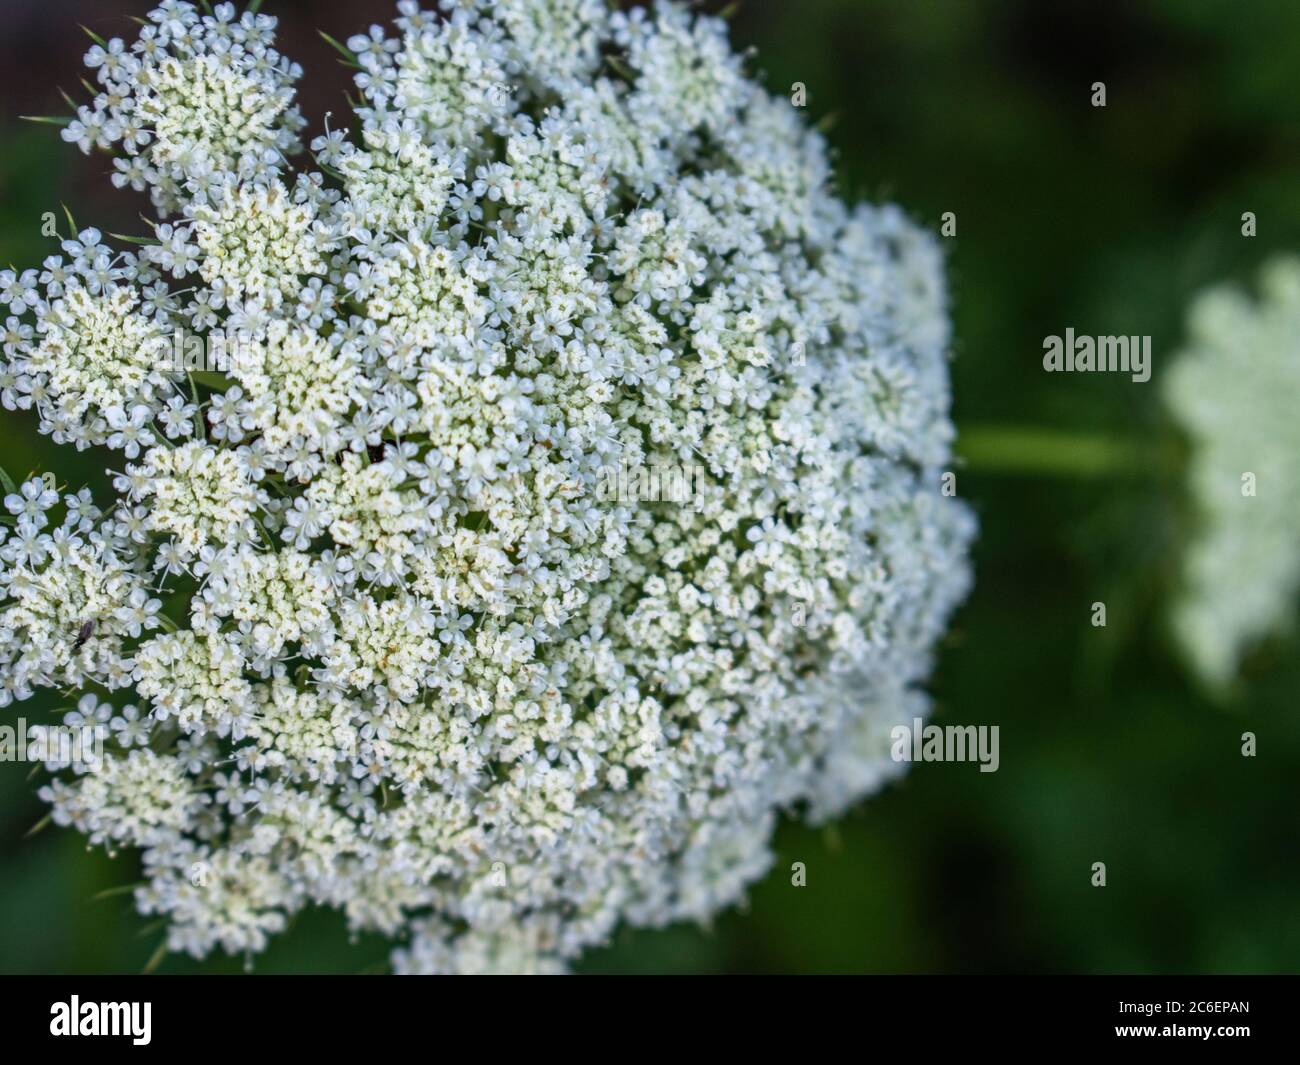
[(1105, 219)]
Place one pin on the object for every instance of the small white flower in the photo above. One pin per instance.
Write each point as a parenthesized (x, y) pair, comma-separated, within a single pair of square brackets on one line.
[(130, 729), (32, 500)]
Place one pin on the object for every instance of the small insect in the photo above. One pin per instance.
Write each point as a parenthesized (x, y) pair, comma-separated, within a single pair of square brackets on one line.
[(84, 634)]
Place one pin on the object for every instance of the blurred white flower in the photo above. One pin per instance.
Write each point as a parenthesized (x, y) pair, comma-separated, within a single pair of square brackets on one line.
[(1234, 390)]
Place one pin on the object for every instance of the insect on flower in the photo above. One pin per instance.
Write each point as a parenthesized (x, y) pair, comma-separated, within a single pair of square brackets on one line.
[(83, 634)]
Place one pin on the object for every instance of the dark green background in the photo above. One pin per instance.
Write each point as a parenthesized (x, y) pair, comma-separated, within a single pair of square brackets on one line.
[(1107, 220)]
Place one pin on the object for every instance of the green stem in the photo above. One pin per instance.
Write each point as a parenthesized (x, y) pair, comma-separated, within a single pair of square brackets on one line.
[(1033, 451), (214, 379)]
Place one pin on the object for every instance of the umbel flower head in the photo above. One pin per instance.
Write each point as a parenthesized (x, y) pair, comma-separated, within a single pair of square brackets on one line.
[(1234, 391), (416, 663)]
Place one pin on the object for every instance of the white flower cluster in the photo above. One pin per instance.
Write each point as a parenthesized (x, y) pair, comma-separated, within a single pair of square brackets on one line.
[(421, 669), (192, 104), (1234, 392)]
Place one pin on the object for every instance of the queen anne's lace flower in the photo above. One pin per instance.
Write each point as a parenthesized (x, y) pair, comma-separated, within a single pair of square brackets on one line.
[(428, 671), (1234, 392), (97, 361), (191, 103)]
